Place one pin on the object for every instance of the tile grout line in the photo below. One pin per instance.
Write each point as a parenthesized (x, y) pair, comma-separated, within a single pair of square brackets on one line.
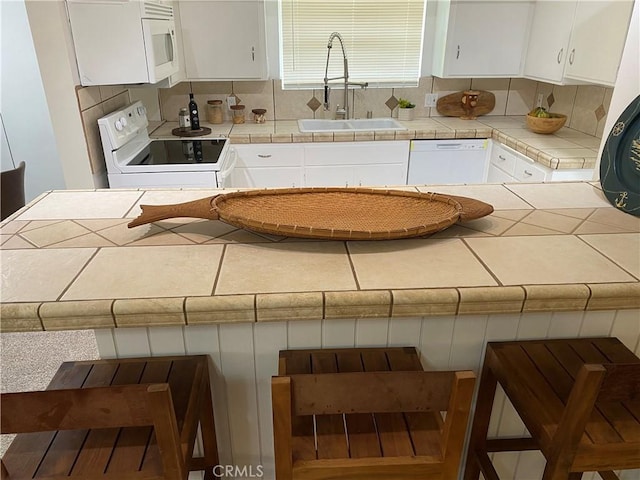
[(579, 237)]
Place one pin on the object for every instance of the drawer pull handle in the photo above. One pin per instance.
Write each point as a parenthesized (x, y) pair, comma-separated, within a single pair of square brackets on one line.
[(502, 158), (560, 55), (458, 53), (572, 55), (261, 155), (528, 173)]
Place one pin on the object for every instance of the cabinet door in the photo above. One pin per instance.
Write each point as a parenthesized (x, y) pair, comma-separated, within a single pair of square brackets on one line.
[(329, 176), (264, 177), (487, 38), (381, 174), (597, 40), (549, 40), (373, 175), (267, 165), (224, 40), (356, 164), (495, 175)]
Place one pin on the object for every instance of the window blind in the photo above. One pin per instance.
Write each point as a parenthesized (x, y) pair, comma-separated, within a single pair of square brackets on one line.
[(382, 39)]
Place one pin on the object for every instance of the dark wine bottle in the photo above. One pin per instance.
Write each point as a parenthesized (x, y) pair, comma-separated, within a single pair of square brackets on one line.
[(193, 113)]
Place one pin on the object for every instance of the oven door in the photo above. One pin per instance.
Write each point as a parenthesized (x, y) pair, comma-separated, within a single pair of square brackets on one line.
[(160, 48)]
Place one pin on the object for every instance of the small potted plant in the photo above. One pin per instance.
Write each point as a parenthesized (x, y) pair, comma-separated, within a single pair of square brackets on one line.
[(406, 110)]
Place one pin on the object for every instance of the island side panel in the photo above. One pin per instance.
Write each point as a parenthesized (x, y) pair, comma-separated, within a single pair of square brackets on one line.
[(245, 357)]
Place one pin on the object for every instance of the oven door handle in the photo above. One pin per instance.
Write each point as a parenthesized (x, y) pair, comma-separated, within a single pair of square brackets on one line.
[(229, 164)]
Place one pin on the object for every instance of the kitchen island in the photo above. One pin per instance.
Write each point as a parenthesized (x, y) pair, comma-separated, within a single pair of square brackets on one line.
[(553, 260)]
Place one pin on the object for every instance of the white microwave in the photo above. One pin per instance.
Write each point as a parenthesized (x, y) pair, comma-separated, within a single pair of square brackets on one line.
[(123, 41)]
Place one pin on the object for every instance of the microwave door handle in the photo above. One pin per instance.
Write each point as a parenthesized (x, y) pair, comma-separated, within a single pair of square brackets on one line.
[(172, 35)]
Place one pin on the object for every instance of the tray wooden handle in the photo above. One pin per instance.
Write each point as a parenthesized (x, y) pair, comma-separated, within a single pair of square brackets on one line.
[(472, 208), (201, 208)]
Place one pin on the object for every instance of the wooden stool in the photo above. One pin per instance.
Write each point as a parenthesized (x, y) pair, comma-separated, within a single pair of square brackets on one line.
[(113, 419), (378, 418), (579, 399)]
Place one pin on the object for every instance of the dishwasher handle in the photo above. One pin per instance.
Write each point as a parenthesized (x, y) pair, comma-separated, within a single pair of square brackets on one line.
[(449, 146)]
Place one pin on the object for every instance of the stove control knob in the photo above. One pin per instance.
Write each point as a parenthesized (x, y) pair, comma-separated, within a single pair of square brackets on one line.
[(118, 125), (141, 111), (123, 121)]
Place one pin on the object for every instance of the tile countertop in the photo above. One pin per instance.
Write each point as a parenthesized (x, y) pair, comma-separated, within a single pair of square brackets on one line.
[(69, 262), (567, 148)]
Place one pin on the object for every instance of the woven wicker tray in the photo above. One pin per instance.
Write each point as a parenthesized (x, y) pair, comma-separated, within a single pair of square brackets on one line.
[(328, 213)]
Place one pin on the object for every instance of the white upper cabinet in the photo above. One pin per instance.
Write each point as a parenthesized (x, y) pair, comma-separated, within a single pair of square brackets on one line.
[(597, 40), (481, 38), (224, 40), (577, 40), (549, 40)]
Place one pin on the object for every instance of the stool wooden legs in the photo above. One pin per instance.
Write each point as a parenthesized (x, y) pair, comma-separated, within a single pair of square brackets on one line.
[(208, 431), (478, 439), (573, 395)]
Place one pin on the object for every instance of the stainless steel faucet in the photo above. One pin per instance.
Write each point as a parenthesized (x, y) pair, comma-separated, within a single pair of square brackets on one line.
[(344, 112)]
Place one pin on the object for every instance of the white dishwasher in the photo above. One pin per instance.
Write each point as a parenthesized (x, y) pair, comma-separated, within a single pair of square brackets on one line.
[(448, 161)]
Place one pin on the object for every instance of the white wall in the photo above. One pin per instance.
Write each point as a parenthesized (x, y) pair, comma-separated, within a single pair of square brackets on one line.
[(24, 107), (628, 81), (54, 50)]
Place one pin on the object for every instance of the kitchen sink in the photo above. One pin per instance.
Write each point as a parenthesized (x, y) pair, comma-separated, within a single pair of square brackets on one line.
[(376, 124), (356, 125)]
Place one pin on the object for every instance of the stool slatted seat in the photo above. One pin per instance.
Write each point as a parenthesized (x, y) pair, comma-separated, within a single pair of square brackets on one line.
[(113, 419), (578, 398), (367, 413)]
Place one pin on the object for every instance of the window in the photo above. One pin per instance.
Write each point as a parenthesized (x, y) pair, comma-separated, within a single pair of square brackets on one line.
[(382, 39)]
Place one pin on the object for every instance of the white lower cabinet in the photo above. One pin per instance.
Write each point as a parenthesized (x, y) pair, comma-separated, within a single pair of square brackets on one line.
[(265, 177), (527, 171), (267, 165), (337, 164), (507, 166), (356, 164), (381, 163), (495, 175)]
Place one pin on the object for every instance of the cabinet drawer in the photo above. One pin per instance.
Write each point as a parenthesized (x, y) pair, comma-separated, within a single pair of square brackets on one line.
[(503, 159), (263, 155), (529, 172), (356, 153)]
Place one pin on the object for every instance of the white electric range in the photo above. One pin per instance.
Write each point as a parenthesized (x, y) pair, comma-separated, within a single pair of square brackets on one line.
[(134, 160)]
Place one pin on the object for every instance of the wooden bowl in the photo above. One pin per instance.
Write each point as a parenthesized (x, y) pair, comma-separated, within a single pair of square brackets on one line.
[(546, 125)]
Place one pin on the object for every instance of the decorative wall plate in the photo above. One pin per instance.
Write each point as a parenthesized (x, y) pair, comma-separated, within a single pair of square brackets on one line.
[(328, 213), (620, 162)]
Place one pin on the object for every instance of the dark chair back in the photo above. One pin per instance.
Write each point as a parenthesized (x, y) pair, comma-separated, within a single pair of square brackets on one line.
[(12, 191)]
